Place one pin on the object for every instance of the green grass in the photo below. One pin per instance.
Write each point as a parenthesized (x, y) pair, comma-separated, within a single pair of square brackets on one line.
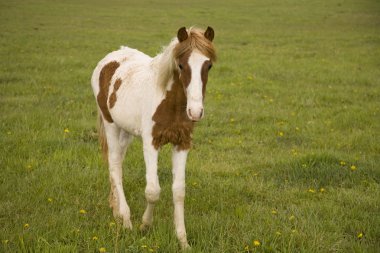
[(295, 91)]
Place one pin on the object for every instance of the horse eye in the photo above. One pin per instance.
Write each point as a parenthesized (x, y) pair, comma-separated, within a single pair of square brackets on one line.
[(180, 66)]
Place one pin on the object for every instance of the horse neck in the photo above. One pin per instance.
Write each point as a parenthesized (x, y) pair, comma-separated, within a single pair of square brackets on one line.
[(165, 66)]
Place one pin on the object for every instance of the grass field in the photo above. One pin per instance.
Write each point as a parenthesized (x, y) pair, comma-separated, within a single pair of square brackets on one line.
[(286, 159)]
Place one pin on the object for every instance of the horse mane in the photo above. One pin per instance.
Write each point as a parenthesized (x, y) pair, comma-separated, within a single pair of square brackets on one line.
[(166, 59)]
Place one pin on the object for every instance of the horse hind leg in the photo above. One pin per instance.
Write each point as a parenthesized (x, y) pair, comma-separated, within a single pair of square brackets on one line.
[(118, 141)]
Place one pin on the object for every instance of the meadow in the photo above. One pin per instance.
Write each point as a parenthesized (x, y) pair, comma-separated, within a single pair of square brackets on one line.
[(285, 160)]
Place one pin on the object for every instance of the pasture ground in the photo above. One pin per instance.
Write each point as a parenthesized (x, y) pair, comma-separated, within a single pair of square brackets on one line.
[(286, 159)]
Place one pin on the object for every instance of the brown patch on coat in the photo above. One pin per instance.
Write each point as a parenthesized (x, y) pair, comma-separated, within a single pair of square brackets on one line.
[(113, 97), (172, 125), (204, 75), (104, 83), (185, 70)]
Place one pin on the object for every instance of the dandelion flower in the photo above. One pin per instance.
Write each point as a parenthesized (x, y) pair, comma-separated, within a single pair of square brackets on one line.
[(26, 225), (360, 235), (256, 243), (102, 250), (50, 200), (66, 130), (246, 248), (342, 163), (311, 190), (281, 134), (144, 246), (292, 217), (353, 167), (274, 212), (82, 211), (322, 190), (94, 238), (232, 120)]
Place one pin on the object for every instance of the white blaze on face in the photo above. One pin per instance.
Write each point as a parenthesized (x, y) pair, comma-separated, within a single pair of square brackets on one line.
[(194, 90)]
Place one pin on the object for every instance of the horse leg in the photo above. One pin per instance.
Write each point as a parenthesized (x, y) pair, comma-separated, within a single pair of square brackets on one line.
[(152, 190), (124, 140), (178, 188), (117, 141)]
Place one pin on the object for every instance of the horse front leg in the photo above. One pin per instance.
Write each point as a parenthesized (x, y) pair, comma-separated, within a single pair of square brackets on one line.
[(152, 190), (178, 188)]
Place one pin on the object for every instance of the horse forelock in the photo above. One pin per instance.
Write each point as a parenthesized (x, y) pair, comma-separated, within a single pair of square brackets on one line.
[(195, 41)]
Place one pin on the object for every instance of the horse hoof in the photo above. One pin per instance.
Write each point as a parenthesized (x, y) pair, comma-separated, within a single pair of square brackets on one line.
[(185, 247), (127, 224), (144, 227)]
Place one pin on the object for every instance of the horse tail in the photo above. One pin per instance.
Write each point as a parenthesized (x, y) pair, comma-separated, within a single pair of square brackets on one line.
[(102, 137)]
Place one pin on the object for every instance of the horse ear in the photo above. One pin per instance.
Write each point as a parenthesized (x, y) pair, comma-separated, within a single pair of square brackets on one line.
[(209, 33), (182, 34)]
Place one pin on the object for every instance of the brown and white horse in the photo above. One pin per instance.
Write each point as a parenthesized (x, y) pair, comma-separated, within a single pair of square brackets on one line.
[(158, 99)]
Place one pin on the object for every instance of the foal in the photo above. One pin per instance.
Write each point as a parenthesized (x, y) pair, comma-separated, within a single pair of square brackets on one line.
[(158, 99)]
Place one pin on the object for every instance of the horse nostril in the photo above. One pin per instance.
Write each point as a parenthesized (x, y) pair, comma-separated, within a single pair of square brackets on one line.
[(201, 113)]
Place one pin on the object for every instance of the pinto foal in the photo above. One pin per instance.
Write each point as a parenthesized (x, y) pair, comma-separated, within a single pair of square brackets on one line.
[(158, 99)]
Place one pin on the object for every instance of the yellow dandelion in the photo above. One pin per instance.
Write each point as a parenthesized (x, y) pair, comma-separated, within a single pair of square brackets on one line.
[(294, 231), (360, 235), (144, 246), (342, 163), (82, 211), (26, 226), (50, 200), (274, 212), (311, 190), (102, 249), (292, 217), (353, 167), (246, 248), (304, 165), (256, 243), (322, 190), (232, 120), (66, 130), (281, 134), (94, 238)]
